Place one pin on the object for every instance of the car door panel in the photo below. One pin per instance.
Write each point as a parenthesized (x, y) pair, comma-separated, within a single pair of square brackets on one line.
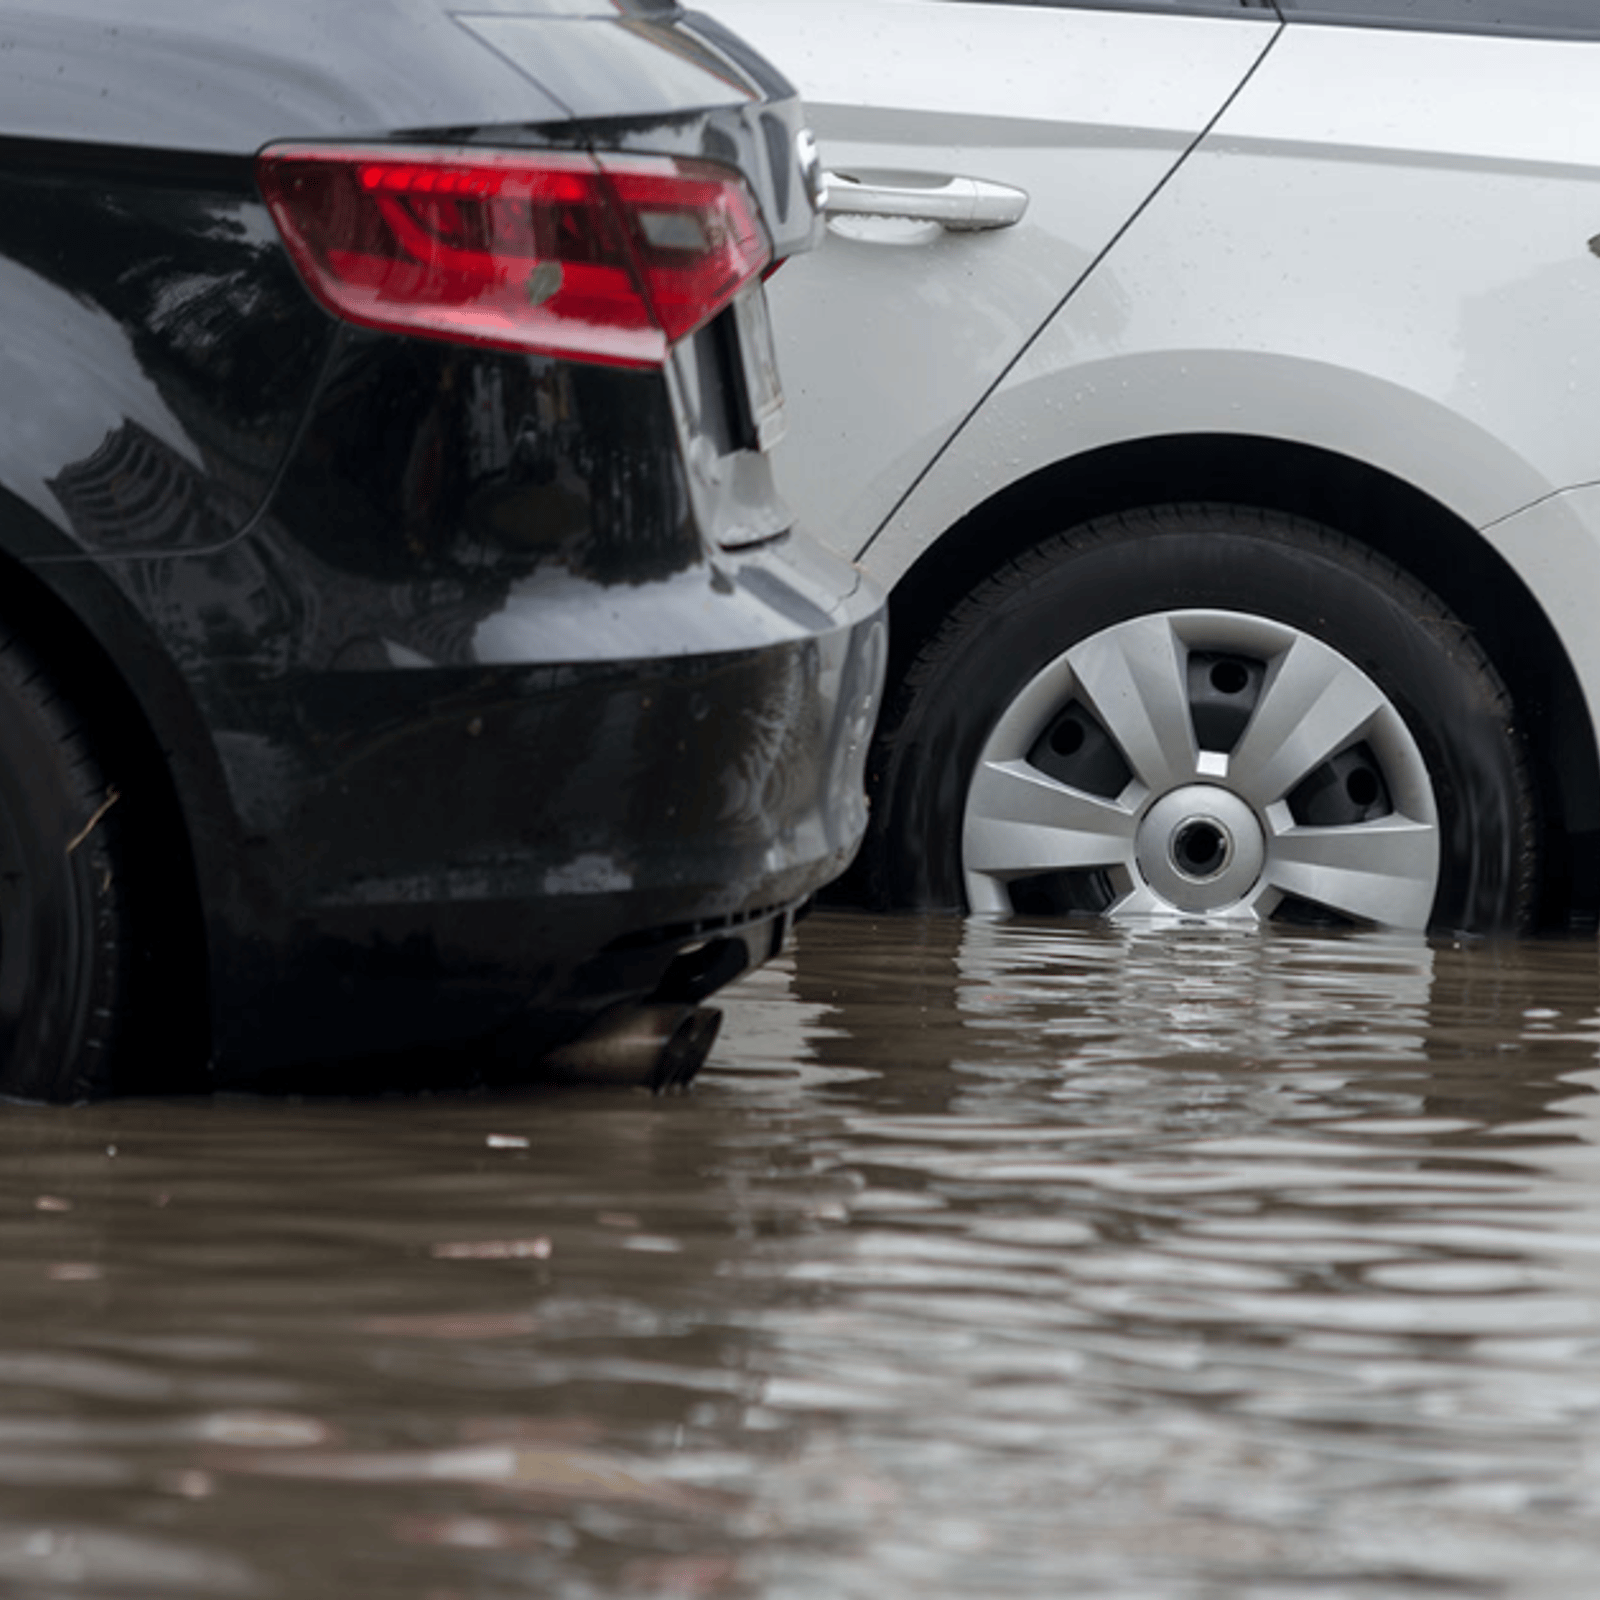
[(895, 329), (1426, 280)]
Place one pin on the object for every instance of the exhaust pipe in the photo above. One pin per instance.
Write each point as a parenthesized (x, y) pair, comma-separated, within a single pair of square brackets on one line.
[(658, 1047)]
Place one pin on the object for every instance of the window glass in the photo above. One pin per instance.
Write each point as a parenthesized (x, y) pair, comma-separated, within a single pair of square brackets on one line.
[(1571, 18), (1578, 19), (1204, 8)]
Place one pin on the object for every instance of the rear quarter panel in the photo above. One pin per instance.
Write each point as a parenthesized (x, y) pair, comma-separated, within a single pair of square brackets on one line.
[(1381, 249), (892, 332)]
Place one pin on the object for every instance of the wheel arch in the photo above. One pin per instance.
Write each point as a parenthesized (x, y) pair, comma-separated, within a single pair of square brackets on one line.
[(81, 630), (1365, 503)]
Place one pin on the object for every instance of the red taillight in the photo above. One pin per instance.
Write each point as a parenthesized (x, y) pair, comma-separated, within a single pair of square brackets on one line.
[(606, 258)]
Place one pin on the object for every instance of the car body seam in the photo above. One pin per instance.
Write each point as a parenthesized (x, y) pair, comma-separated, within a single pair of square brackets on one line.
[(1055, 311)]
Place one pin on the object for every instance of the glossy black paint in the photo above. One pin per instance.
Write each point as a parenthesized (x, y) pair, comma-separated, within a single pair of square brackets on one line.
[(164, 341), (226, 77), (455, 691)]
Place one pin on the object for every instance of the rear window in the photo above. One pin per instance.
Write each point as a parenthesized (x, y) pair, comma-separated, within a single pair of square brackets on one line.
[(1571, 19), (1205, 8), (1578, 19)]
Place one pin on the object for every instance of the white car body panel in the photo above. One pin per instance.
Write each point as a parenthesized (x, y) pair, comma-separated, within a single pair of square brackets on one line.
[(1554, 547), (1366, 251), (896, 330), (1429, 344)]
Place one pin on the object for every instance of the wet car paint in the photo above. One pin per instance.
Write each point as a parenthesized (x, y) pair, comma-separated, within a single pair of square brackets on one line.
[(229, 78), (547, 619)]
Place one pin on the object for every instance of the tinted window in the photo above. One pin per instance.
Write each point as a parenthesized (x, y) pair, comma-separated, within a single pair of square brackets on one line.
[(1205, 8), (1572, 18), (1578, 19)]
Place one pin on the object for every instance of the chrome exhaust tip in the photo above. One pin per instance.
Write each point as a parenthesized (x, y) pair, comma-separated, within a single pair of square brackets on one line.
[(657, 1047)]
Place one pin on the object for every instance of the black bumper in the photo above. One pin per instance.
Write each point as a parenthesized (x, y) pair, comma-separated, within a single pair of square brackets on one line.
[(436, 855), (487, 721)]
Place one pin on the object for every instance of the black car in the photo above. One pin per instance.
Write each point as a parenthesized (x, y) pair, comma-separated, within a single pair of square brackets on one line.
[(401, 643)]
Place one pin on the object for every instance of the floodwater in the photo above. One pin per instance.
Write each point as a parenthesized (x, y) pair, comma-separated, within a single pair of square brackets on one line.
[(982, 1260)]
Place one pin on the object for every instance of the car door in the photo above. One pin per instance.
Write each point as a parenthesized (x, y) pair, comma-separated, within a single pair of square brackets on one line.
[(1015, 141)]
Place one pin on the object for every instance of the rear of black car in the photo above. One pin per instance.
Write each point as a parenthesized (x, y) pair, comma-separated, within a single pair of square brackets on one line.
[(384, 486)]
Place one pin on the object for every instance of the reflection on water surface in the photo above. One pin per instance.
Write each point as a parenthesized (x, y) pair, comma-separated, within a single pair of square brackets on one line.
[(983, 1260)]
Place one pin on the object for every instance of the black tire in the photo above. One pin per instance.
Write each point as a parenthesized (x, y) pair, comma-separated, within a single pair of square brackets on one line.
[(62, 946), (991, 681)]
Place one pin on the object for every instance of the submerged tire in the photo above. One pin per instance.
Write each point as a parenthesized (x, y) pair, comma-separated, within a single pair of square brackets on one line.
[(62, 984), (1205, 712)]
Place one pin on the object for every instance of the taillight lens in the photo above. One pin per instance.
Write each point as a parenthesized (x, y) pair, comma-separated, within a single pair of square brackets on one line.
[(607, 258)]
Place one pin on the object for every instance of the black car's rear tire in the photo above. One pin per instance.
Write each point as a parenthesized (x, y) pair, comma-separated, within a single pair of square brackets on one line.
[(1205, 711), (62, 945)]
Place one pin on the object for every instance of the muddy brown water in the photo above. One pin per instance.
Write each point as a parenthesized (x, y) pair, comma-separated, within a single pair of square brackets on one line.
[(982, 1260)]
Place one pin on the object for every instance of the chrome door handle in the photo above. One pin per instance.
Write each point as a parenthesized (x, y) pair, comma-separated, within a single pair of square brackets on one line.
[(963, 205)]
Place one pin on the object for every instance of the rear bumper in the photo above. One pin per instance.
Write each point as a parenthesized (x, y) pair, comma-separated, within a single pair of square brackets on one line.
[(490, 718), (435, 855)]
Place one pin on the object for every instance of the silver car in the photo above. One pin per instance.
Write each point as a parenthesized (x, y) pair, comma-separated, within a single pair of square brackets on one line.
[(1218, 388)]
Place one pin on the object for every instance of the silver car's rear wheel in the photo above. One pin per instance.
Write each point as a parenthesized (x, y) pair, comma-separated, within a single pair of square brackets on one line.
[(1203, 763), (1204, 712)]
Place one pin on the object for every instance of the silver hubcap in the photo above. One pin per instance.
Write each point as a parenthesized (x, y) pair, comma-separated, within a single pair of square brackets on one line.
[(1201, 848), (1203, 764)]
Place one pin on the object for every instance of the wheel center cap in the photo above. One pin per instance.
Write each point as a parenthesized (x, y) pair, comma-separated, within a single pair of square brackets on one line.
[(1201, 848)]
